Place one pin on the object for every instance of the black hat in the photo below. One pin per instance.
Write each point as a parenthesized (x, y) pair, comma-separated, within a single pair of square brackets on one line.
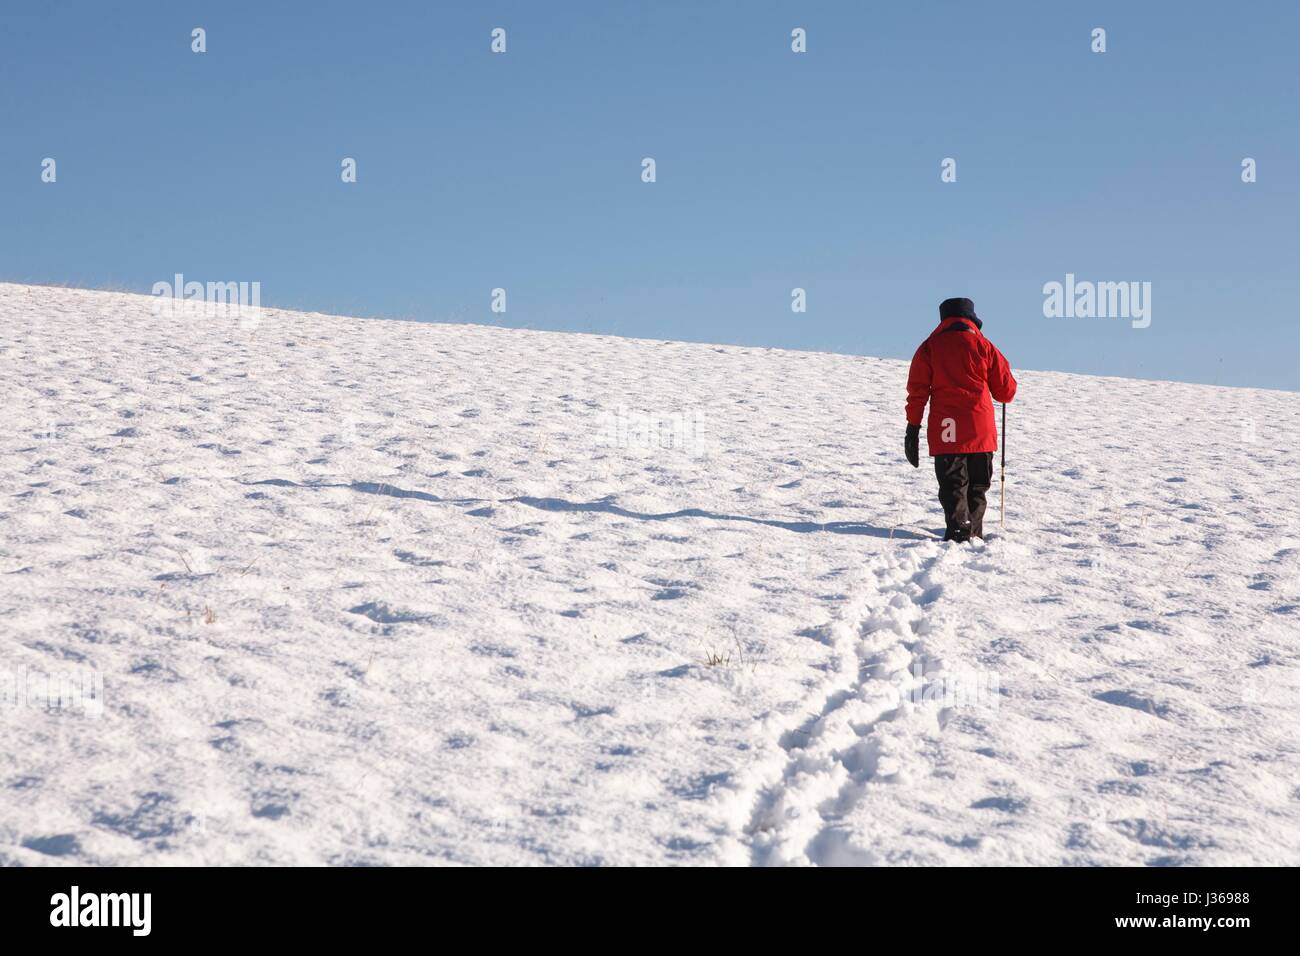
[(963, 308)]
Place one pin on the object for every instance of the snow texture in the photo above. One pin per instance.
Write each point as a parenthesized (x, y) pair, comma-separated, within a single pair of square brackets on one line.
[(376, 592)]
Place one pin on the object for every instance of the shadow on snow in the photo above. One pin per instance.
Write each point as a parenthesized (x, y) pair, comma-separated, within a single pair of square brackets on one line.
[(608, 507)]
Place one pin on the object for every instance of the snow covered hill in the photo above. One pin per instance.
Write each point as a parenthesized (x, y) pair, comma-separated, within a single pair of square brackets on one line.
[(365, 591)]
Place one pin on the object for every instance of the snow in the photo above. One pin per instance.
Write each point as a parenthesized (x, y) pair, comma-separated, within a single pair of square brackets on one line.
[(364, 591)]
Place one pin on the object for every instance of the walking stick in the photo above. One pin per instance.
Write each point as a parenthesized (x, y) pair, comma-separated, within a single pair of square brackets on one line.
[(1002, 515)]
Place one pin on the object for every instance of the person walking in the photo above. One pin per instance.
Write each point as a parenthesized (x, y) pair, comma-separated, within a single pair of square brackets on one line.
[(959, 373)]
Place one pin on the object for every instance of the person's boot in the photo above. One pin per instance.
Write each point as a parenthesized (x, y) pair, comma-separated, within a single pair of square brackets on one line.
[(959, 534)]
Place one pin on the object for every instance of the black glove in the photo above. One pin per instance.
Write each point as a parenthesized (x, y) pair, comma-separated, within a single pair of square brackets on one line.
[(912, 445)]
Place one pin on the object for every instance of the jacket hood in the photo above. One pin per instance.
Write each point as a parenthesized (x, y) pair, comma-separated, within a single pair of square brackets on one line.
[(959, 323)]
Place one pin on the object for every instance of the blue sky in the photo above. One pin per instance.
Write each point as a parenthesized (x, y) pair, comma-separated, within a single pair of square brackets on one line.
[(775, 170)]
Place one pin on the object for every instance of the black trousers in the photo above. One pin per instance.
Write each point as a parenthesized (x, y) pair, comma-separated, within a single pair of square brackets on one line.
[(963, 482)]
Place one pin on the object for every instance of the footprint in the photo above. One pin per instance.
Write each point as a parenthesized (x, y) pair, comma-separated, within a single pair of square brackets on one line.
[(57, 844), (1128, 698), (382, 613), (1005, 804)]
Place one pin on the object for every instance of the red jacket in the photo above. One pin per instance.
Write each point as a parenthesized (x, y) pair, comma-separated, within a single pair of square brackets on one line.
[(955, 370)]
